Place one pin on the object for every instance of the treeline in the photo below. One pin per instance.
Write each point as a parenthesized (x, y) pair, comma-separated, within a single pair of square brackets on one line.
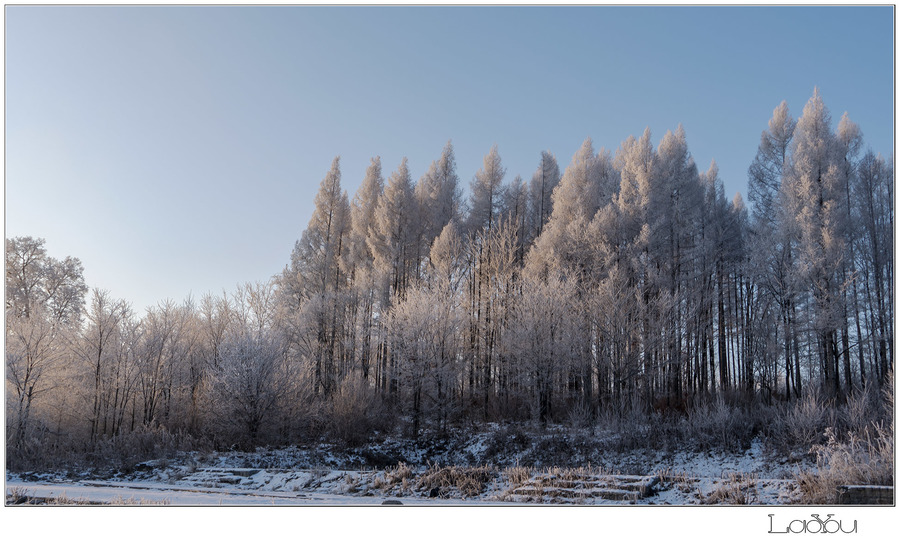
[(627, 283)]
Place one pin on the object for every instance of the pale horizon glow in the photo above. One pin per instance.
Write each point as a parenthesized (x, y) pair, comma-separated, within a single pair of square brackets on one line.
[(176, 150)]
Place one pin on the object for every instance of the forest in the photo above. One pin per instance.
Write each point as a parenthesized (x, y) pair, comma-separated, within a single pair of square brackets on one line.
[(622, 287)]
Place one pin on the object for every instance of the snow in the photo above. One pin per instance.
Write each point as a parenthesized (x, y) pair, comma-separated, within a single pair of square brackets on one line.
[(150, 493), (295, 476)]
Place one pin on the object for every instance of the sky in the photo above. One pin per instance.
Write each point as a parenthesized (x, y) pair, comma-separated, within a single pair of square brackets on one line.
[(176, 151)]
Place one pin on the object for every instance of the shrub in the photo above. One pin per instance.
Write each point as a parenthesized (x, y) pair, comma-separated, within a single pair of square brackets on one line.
[(865, 458), (720, 426), (801, 424), (354, 412)]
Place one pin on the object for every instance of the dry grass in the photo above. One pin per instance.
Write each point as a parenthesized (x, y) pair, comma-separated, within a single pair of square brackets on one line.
[(20, 496), (865, 458), (678, 479), (436, 481), (391, 477), (738, 489), (469, 482), (516, 476)]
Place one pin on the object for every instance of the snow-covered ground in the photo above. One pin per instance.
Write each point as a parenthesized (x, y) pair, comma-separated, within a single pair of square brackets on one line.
[(324, 476)]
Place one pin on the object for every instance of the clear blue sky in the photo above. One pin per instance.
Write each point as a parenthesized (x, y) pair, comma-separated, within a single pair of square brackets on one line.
[(177, 150)]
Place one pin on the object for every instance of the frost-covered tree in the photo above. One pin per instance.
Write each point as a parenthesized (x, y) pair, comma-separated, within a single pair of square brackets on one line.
[(873, 197), (424, 330), (315, 266), (767, 169), (364, 290), (567, 246), (362, 212), (40, 284), (106, 365), (487, 192), (542, 341), (167, 346), (315, 281), (543, 182), (813, 189), (447, 257), (584, 188), (393, 242), (439, 195), (249, 384), (44, 305), (515, 210), (773, 254), (392, 236)]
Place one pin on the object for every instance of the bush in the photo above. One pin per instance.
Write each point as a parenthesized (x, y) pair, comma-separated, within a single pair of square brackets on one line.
[(801, 424), (123, 452), (865, 458), (863, 455), (354, 412)]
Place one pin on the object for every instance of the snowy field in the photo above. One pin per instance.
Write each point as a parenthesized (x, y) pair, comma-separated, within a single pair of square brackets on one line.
[(322, 476)]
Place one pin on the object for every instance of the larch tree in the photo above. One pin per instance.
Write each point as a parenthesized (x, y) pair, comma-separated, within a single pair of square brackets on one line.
[(482, 223), (566, 247), (514, 210), (543, 182), (773, 254), (813, 187), (542, 341), (873, 207), (392, 236), (364, 291), (392, 241), (439, 195), (487, 191), (314, 283), (848, 144), (582, 191), (446, 258), (673, 206), (767, 169)]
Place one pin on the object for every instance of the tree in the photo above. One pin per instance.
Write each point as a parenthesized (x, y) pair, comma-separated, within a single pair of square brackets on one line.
[(813, 187), (36, 282), (424, 331), (847, 147), (168, 364), (393, 240), (873, 208), (446, 257), (107, 363), (392, 236), (585, 187), (541, 341), (362, 272), (362, 213), (766, 171), (250, 382), (44, 304), (438, 195), (514, 210), (317, 274), (543, 182), (772, 257), (34, 354), (486, 193), (316, 259)]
